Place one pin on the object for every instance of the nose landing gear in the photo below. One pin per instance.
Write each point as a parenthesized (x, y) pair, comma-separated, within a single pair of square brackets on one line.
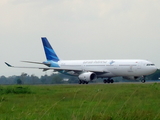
[(143, 79)]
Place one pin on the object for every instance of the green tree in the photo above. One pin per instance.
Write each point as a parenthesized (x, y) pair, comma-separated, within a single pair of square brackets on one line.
[(73, 80), (154, 76), (57, 79), (19, 81)]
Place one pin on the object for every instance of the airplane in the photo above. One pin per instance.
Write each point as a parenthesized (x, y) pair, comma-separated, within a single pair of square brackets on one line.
[(89, 70)]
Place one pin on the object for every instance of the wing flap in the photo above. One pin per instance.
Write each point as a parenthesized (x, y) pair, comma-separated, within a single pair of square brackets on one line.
[(44, 63), (32, 62)]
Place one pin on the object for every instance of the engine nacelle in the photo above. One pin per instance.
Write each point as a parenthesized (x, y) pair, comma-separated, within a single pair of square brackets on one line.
[(131, 78), (87, 76)]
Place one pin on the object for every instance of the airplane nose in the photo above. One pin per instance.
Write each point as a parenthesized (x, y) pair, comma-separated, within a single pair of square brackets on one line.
[(154, 69)]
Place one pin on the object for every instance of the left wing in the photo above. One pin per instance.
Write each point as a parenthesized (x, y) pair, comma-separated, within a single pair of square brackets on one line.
[(43, 68), (44, 63), (55, 68)]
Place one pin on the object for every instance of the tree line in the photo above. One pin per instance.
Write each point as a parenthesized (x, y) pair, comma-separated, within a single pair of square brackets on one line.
[(24, 78), (59, 79)]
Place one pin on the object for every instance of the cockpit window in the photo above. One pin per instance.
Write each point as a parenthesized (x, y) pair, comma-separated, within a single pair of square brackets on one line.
[(150, 65)]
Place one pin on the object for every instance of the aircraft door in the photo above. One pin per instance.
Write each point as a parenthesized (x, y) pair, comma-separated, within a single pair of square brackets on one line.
[(139, 65), (83, 67), (115, 66)]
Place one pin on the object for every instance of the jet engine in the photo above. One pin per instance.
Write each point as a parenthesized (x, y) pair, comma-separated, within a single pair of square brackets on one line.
[(87, 76), (131, 77)]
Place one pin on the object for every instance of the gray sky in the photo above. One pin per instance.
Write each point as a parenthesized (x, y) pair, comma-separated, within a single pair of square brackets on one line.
[(78, 29)]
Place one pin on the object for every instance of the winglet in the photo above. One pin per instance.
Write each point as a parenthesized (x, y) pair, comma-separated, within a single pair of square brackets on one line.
[(8, 64)]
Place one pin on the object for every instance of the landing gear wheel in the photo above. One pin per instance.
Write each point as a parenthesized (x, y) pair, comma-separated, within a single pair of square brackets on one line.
[(108, 81), (80, 82), (83, 82), (104, 80), (143, 81), (112, 81)]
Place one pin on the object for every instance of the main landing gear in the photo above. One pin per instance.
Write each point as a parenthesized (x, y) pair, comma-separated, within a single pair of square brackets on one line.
[(83, 82), (108, 80)]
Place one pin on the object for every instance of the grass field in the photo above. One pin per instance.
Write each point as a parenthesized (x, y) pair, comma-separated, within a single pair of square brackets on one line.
[(81, 102)]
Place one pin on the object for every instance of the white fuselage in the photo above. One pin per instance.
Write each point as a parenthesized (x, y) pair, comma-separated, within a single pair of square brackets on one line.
[(110, 68)]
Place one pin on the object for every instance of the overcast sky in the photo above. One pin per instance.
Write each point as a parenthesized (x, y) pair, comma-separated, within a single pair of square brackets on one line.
[(78, 29)]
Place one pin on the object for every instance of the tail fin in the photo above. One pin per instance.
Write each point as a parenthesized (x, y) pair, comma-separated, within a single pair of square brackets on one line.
[(50, 53)]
